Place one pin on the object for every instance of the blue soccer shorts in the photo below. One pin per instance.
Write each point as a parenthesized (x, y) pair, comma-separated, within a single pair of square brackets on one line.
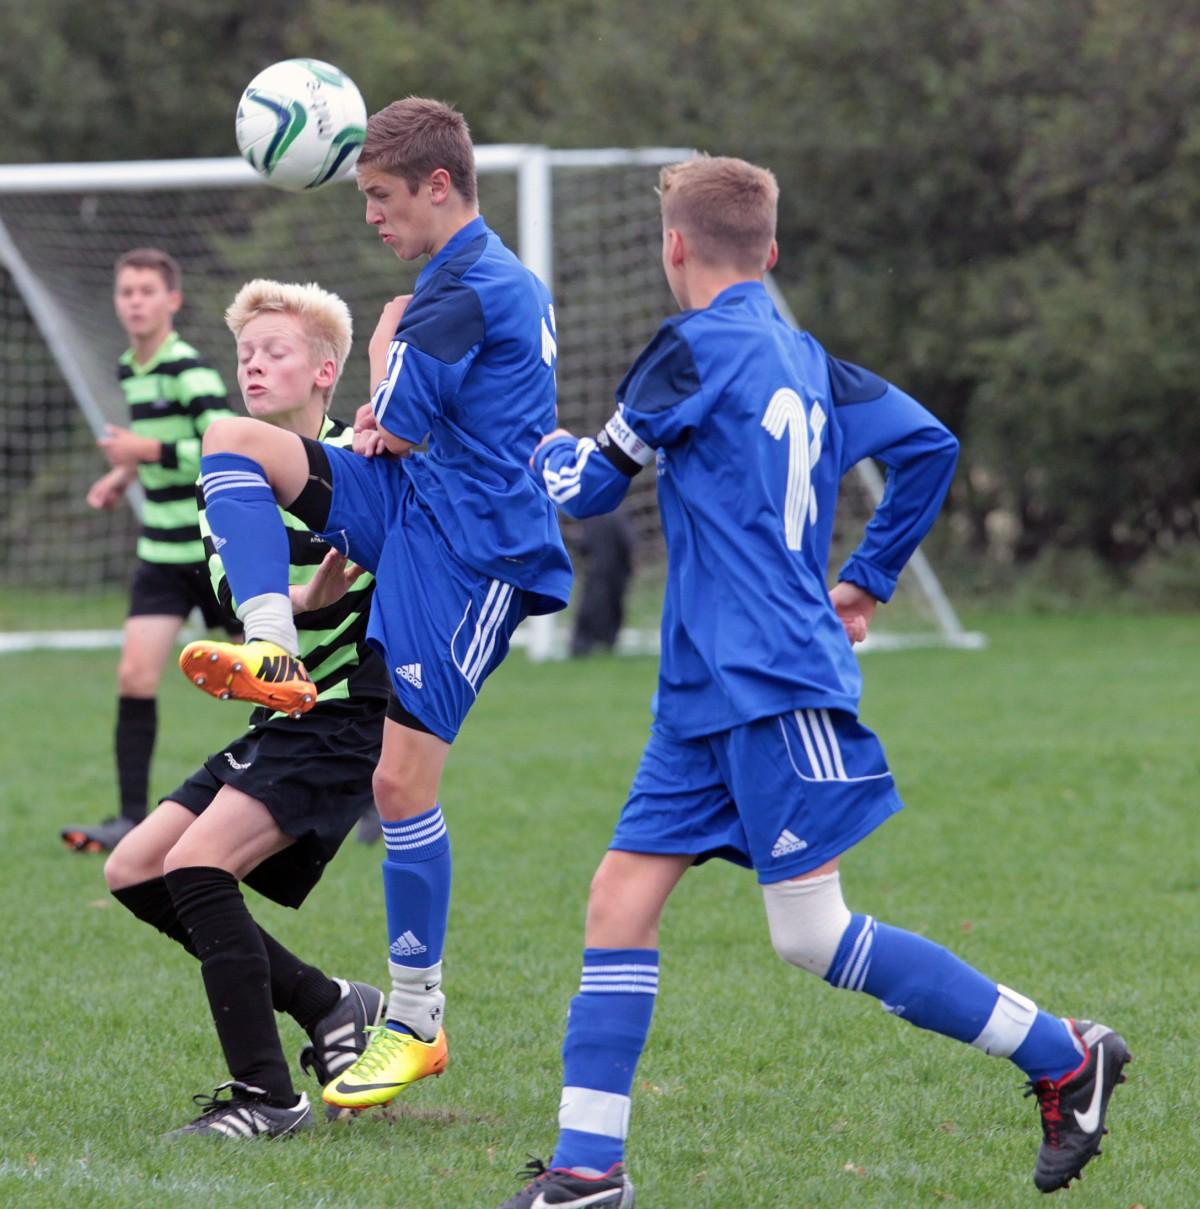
[(781, 795), (441, 626)]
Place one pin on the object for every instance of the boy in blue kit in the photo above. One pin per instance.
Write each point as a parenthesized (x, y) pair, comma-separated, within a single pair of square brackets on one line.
[(461, 538), (756, 754)]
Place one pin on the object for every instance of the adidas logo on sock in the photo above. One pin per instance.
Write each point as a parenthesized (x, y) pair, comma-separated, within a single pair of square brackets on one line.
[(410, 672), (787, 844), (407, 945)]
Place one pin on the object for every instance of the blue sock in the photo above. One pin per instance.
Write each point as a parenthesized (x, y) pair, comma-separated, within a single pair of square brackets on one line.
[(932, 988), (416, 890), (244, 517), (606, 1030)]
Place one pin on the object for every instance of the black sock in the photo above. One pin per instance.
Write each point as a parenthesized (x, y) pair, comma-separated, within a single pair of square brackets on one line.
[(137, 728), (151, 902), (301, 990), (237, 977)]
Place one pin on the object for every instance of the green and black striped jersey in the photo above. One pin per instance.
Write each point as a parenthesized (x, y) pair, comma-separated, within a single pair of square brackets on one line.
[(173, 398), (333, 640)]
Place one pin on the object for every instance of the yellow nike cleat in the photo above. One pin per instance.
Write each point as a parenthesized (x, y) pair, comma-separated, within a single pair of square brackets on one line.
[(389, 1064), (259, 672)]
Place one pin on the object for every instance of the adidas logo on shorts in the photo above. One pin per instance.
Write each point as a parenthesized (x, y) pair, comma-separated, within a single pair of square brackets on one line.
[(410, 672), (787, 844)]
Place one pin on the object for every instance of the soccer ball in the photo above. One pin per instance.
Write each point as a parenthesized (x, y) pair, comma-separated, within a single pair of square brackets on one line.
[(300, 124)]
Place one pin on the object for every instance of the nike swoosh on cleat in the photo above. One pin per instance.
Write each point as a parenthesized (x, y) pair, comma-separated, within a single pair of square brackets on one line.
[(542, 1203), (1089, 1121), (342, 1089)]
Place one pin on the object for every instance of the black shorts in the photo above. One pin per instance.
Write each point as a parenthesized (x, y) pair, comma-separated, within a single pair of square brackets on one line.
[(312, 773), (174, 590)]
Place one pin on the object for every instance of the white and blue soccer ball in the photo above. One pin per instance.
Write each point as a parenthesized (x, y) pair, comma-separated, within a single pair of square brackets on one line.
[(300, 124)]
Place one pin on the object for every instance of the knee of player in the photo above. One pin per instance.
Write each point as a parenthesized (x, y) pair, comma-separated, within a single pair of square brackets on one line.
[(128, 868), (226, 435), (399, 795), (807, 919)]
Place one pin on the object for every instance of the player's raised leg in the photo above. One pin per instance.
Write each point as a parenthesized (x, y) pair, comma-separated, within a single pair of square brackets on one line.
[(416, 883), (247, 469), (607, 1025), (1069, 1064)]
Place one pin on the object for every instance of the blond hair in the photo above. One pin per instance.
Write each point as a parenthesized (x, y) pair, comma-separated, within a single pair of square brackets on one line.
[(412, 137), (727, 206), (324, 317)]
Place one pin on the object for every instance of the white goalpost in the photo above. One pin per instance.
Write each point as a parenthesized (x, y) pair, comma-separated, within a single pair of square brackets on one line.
[(585, 221)]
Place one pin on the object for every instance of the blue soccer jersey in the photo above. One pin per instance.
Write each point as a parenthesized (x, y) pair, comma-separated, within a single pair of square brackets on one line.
[(471, 371), (752, 425)]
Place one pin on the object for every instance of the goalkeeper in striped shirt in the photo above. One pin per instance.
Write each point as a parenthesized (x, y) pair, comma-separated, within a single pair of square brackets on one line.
[(172, 395), (272, 808)]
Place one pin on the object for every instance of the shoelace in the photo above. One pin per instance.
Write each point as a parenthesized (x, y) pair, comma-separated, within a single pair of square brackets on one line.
[(382, 1043), (209, 1104), (535, 1169), (1049, 1106)]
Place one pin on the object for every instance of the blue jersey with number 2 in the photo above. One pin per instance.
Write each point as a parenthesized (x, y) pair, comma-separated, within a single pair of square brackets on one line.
[(751, 426)]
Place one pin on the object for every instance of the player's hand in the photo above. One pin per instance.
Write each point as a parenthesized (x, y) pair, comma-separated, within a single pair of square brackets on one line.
[(370, 443), (330, 582), (385, 333), (106, 492), (550, 436), (122, 447), (855, 607)]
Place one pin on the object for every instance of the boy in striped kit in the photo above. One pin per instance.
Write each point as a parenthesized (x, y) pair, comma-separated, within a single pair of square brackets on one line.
[(272, 808), (173, 396), (461, 539), (756, 754)]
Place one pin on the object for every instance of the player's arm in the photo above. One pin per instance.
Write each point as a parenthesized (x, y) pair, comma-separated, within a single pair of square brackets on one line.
[(590, 475), (919, 452), (658, 403), (107, 491), (420, 353)]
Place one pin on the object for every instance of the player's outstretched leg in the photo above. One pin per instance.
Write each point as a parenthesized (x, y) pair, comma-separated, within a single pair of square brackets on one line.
[(1073, 1108), (244, 1113), (1070, 1067), (550, 1186), (258, 671), (340, 1037)]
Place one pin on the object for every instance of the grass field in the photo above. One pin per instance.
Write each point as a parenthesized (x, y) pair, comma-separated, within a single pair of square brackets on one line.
[(1051, 839)]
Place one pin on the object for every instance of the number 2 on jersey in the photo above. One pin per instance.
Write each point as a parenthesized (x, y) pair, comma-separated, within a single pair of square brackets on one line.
[(785, 415)]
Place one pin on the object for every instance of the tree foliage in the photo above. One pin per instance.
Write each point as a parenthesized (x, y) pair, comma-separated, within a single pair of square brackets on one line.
[(994, 203)]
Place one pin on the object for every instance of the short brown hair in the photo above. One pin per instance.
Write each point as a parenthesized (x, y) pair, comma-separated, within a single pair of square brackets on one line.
[(727, 206), (152, 258), (413, 137)]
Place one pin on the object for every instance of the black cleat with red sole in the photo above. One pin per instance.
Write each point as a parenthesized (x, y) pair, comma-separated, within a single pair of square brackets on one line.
[(1073, 1108)]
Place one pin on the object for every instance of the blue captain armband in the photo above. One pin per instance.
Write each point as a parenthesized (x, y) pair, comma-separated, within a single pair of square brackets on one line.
[(627, 452)]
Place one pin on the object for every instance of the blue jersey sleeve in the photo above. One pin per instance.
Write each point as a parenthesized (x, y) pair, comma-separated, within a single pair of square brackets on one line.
[(578, 478), (438, 338), (879, 421), (658, 401)]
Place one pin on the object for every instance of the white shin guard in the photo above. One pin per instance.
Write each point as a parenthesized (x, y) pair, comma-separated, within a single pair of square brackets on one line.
[(807, 919)]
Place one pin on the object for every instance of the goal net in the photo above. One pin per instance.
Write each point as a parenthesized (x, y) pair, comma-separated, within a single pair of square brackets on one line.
[(586, 221)]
